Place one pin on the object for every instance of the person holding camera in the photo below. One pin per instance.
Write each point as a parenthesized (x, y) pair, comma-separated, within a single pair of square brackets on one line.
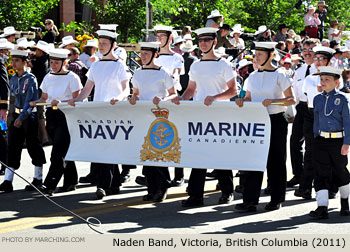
[(312, 22), (322, 12), (51, 34)]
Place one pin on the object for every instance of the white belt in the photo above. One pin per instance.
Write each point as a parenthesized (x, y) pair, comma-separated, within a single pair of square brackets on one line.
[(18, 110), (332, 134)]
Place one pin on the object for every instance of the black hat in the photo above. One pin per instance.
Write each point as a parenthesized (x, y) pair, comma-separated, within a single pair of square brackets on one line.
[(282, 26), (226, 27)]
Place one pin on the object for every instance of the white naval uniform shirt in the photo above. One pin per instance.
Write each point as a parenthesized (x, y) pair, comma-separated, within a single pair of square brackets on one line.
[(211, 77), (299, 78), (268, 85), (152, 82), (107, 76), (60, 86), (172, 62)]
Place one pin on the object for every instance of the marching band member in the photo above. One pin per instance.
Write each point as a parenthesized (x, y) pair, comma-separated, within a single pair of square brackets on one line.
[(332, 139), (152, 82), (322, 57), (268, 85), (24, 125), (110, 79), (4, 100), (58, 86), (211, 79)]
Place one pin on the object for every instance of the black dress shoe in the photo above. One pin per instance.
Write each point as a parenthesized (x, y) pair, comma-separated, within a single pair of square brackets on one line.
[(141, 180), (6, 186), (245, 208), (160, 196), (226, 198), (294, 181), (176, 182), (45, 190), (100, 193), (68, 188), (36, 182), (304, 193), (344, 210), (124, 178), (272, 206), (320, 213), (88, 179), (148, 197), (192, 202)]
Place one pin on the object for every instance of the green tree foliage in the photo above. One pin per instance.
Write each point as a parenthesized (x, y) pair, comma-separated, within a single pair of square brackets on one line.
[(24, 13)]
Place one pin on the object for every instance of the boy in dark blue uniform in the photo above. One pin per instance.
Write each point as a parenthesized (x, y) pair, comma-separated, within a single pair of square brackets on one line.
[(332, 139)]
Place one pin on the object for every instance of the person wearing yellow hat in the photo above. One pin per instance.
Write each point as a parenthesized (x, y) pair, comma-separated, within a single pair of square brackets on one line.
[(60, 85), (211, 79), (331, 131), (24, 124), (268, 85)]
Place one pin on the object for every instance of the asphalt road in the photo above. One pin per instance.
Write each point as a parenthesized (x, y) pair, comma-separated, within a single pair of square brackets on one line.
[(28, 213)]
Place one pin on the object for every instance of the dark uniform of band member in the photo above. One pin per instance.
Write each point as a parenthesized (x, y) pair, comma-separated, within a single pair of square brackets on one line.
[(60, 85), (4, 99), (111, 81), (332, 140), (211, 78), (24, 125), (297, 136), (310, 88), (152, 82), (268, 85)]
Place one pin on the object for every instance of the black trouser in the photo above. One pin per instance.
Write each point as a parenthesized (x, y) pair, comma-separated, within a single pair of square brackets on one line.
[(320, 32), (178, 173), (307, 175), (276, 165), (108, 176), (27, 132), (197, 181), (94, 169), (57, 129), (3, 148), (158, 178), (330, 166), (297, 140)]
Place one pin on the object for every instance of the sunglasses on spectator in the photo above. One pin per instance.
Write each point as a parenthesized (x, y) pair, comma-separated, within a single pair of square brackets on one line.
[(319, 58), (70, 54), (205, 40), (47, 23)]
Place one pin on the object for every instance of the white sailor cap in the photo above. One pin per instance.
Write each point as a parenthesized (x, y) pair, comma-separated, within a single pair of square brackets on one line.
[(323, 50), (43, 46), (344, 49), (68, 40), (8, 31), (163, 29), (149, 45), (108, 31), (187, 37), (206, 31), (4, 44), (287, 60), (328, 70), (265, 46), (59, 53), (19, 53), (91, 43)]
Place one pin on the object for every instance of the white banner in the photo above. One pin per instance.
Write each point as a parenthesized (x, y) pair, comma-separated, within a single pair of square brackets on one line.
[(221, 136)]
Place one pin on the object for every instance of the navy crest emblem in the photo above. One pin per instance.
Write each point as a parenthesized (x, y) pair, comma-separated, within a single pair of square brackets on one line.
[(162, 142), (337, 101)]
